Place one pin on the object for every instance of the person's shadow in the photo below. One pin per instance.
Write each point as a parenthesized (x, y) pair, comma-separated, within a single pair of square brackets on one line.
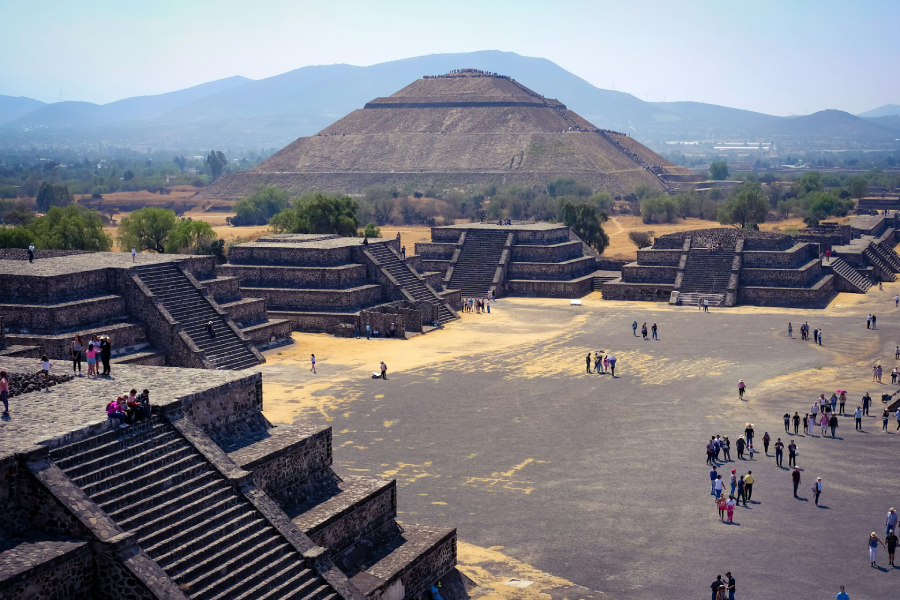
[(880, 568), (823, 507), (802, 499)]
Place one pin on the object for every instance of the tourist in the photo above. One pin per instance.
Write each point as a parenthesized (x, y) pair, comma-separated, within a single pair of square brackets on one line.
[(730, 587), (77, 346), (91, 360), (721, 504), (894, 376), (144, 400), (644, 331), (133, 255), (383, 370), (717, 486), (897, 416), (897, 353), (817, 489), (766, 439), (726, 448), (312, 360), (795, 478), (779, 452), (713, 475), (866, 401), (729, 509), (742, 491), (748, 485), (741, 388), (833, 424), (834, 401), (874, 318), (368, 331), (403, 252), (699, 303), (787, 422), (733, 481), (210, 331), (890, 523), (811, 425), (884, 420), (365, 241), (890, 540), (792, 454), (612, 365), (819, 337), (842, 595), (857, 414), (393, 329), (796, 418), (823, 423), (654, 330), (842, 400), (4, 392), (706, 305), (748, 432), (740, 444), (105, 353), (897, 303), (790, 331), (875, 373), (869, 322), (133, 410), (487, 303), (634, 328), (31, 253), (114, 414), (716, 585), (587, 360), (45, 372), (750, 450), (873, 547)]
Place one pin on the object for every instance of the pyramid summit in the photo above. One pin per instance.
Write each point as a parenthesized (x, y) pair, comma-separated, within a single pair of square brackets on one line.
[(460, 130)]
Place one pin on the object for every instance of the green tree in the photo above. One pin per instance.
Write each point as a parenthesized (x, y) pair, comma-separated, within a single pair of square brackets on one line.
[(7, 191), (587, 224), (189, 237), (147, 228), (641, 239), (260, 206), (810, 181), (53, 195), (858, 187), (567, 186), (371, 231), (718, 171), (749, 205), (319, 213), (659, 209), (15, 237), (217, 163), (715, 193), (71, 228)]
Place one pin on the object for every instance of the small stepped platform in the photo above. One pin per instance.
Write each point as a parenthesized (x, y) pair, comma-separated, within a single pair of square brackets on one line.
[(193, 311), (409, 280), (849, 278)]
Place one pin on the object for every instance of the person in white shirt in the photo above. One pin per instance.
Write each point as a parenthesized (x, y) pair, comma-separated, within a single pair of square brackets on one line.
[(133, 254), (857, 414)]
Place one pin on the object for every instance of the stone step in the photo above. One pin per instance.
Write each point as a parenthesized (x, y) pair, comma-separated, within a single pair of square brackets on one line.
[(139, 477), (191, 567), (221, 542), (232, 581), (145, 500), (129, 457), (300, 585), (163, 511), (229, 520), (150, 484), (109, 441), (203, 513)]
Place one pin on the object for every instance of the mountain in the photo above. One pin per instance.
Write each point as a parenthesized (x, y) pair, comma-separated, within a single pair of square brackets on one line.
[(888, 110), (834, 125), (13, 107), (79, 114)]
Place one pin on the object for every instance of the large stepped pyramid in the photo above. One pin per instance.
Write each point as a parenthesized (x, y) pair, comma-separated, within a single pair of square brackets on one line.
[(460, 130), (204, 500)]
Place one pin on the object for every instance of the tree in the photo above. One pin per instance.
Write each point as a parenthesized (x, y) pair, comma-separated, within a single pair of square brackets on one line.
[(216, 162), (810, 182), (53, 195), (858, 187), (260, 206), (718, 171), (371, 231), (147, 228), (189, 236), (715, 193), (641, 239), (15, 237), (749, 205), (71, 228), (180, 161), (587, 224), (128, 175), (318, 213), (567, 186)]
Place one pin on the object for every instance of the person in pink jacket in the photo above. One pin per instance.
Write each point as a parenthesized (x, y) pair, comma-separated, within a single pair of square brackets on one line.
[(824, 423)]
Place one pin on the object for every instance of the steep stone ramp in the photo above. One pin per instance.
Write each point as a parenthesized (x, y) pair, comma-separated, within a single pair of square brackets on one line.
[(850, 276), (193, 310), (477, 263), (887, 273), (187, 516)]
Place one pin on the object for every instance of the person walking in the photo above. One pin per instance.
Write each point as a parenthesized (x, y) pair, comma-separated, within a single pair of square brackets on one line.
[(587, 360), (77, 347), (890, 523), (742, 491), (133, 255), (866, 401), (857, 414), (897, 353), (884, 421), (31, 253), (766, 439), (312, 359), (897, 300), (655, 331), (721, 504), (873, 547), (612, 365), (808, 424), (833, 424), (842, 595), (790, 331), (834, 401), (726, 448), (383, 370), (716, 585), (105, 354), (729, 509), (718, 486), (644, 331), (779, 452), (897, 416), (368, 331), (4, 392), (729, 587), (819, 337), (45, 372), (713, 474), (634, 328), (741, 388), (733, 481), (787, 422), (748, 485), (874, 320), (817, 489), (795, 478), (823, 423), (796, 422), (890, 540), (792, 454), (748, 433), (869, 322), (740, 444), (706, 305), (842, 400)]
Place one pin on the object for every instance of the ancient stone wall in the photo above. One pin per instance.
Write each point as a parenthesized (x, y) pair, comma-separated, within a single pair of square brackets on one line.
[(219, 406), (619, 290), (443, 235), (438, 563), (791, 259), (653, 256), (436, 249), (802, 277), (347, 299), (437, 266), (551, 270), (381, 322), (271, 254), (248, 311), (358, 520), (556, 289), (817, 295), (69, 576), (33, 289), (223, 288), (63, 316), (278, 464), (639, 273), (309, 321), (292, 277), (552, 253)]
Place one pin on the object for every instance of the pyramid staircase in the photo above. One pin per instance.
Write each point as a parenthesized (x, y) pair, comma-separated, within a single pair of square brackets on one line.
[(409, 280), (479, 257), (875, 259), (206, 535), (599, 280), (185, 302), (706, 276), (842, 269), (887, 254)]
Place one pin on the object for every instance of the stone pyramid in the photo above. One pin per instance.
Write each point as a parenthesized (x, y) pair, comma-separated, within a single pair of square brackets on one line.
[(461, 130)]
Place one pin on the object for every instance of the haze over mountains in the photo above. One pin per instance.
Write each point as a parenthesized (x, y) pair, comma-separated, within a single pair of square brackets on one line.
[(237, 113)]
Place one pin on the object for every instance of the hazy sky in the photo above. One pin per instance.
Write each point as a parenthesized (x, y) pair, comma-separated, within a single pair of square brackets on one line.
[(781, 57)]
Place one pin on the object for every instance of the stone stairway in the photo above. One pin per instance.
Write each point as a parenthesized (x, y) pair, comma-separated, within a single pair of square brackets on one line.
[(410, 281), (690, 299), (599, 280), (887, 274), (888, 255), (478, 260), (193, 311), (187, 517), (707, 272), (842, 269)]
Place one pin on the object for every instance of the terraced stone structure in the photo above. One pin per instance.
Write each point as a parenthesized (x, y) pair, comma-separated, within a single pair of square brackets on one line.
[(205, 500), (729, 266), (463, 131), (329, 283), (536, 259), (157, 310)]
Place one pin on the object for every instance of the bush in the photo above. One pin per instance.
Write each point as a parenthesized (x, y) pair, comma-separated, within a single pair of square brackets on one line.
[(71, 228), (641, 239), (318, 213), (371, 231), (15, 237), (659, 209), (260, 206)]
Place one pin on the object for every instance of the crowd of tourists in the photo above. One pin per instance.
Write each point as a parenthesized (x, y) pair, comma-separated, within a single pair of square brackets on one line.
[(804, 333), (129, 408), (602, 364), (97, 351)]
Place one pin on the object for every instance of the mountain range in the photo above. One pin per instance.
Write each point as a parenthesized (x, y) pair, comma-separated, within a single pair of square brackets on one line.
[(237, 113)]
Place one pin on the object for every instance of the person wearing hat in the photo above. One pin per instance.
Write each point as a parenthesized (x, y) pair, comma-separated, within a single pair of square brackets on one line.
[(890, 540), (105, 353), (891, 521), (873, 547), (817, 489)]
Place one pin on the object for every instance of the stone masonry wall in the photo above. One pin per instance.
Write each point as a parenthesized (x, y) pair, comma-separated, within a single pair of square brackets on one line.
[(555, 289), (804, 277), (347, 299), (649, 273), (551, 270), (270, 254), (294, 277), (791, 259), (220, 406), (650, 256), (552, 253), (27, 289), (56, 317), (70, 577)]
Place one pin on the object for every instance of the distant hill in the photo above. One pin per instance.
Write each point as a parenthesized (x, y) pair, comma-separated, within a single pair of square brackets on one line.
[(237, 113), (888, 110), (13, 107)]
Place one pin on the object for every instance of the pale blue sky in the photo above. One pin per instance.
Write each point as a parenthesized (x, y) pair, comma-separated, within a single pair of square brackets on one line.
[(786, 57)]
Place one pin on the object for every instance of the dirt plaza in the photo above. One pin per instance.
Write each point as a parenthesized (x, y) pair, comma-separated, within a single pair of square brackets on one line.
[(493, 425)]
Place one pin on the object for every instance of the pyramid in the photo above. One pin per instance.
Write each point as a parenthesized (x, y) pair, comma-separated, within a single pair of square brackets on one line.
[(461, 130)]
